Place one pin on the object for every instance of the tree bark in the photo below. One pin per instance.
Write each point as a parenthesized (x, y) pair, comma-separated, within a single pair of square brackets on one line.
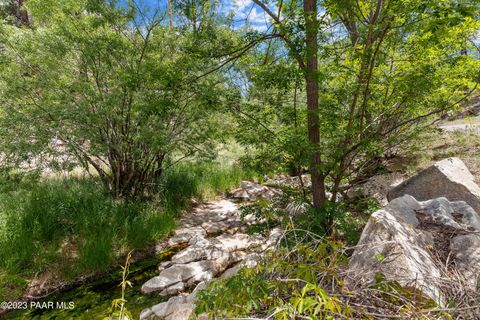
[(311, 80), (170, 13), (22, 14)]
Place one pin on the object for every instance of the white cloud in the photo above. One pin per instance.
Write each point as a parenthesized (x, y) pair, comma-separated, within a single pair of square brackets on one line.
[(245, 11), (242, 5)]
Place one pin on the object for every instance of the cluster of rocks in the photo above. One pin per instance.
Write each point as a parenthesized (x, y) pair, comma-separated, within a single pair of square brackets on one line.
[(429, 228), (251, 191), (216, 245), (449, 178), (291, 181)]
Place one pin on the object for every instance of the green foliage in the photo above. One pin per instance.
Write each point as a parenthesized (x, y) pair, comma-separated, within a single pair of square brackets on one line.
[(271, 213), (119, 310), (91, 86), (71, 226), (201, 181), (306, 280), (313, 302), (382, 80), (349, 217), (12, 285), (242, 294), (291, 283)]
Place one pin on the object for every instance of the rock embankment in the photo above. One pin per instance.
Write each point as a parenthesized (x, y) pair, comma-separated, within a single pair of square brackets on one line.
[(424, 244), (449, 178)]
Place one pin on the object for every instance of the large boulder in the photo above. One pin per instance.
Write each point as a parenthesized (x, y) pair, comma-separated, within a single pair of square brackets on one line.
[(176, 308), (448, 178), (417, 244)]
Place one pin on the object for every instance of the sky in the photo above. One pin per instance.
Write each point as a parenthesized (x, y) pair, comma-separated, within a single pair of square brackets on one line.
[(246, 10), (243, 10)]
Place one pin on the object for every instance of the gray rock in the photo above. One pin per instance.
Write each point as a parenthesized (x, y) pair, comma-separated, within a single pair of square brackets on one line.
[(163, 265), (174, 289), (184, 235), (466, 250), (195, 271), (274, 237), (181, 312), (192, 297), (448, 178), (201, 250), (405, 240), (240, 194), (230, 272), (230, 243), (251, 191), (250, 261), (176, 308), (216, 227)]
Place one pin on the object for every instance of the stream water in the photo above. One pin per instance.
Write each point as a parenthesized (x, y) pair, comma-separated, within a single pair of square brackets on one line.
[(94, 300)]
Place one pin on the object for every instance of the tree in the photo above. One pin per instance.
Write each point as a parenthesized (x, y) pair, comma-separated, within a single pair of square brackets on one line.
[(123, 97), (308, 63), (374, 73)]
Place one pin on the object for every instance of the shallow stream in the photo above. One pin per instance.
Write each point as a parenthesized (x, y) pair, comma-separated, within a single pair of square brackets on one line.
[(94, 300)]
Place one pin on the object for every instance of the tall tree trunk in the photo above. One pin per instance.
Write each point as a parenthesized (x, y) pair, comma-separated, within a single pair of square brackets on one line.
[(170, 13), (311, 79)]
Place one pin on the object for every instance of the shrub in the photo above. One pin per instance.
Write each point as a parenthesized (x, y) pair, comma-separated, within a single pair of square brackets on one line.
[(242, 294)]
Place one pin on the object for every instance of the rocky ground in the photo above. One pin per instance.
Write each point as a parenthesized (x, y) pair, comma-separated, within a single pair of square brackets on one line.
[(215, 245), (427, 237)]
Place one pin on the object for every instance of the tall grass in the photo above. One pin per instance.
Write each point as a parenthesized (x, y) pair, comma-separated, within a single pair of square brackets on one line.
[(71, 226), (73, 219), (201, 181)]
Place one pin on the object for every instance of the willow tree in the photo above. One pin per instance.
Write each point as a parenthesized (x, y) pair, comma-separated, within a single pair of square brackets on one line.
[(118, 89)]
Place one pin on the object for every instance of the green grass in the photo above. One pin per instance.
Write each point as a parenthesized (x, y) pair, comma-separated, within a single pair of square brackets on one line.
[(71, 226), (434, 145), (201, 181)]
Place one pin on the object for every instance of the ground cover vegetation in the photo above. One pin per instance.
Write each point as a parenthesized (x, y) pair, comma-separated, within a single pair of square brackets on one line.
[(141, 102), (69, 227)]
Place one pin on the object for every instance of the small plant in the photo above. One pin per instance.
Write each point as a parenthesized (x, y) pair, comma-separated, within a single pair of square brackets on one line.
[(273, 212), (312, 302), (118, 310), (246, 292), (269, 213)]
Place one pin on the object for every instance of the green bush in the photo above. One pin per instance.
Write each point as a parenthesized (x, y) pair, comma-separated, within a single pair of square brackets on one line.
[(348, 218), (291, 284)]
